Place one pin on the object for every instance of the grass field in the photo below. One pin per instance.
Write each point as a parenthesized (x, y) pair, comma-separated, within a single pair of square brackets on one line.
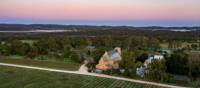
[(28, 41), (11, 77), (47, 64), (183, 45)]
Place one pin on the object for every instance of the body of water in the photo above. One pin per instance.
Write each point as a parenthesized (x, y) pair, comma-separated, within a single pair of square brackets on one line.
[(36, 31)]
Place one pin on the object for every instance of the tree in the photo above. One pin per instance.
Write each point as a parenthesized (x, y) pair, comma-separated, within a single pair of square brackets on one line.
[(177, 63), (142, 57), (1, 47), (97, 53), (128, 63), (66, 46), (53, 44), (153, 43), (14, 47), (41, 47), (80, 42), (108, 40), (24, 49), (156, 71), (194, 46), (117, 43), (199, 46), (76, 57), (174, 44), (195, 83), (128, 60), (33, 52), (194, 64), (126, 43), (134, 43)]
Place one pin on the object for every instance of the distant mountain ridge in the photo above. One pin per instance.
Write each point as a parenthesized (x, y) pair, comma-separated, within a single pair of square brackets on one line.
[(49, 28)]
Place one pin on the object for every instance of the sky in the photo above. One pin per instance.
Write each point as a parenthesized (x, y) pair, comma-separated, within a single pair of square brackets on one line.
[(102, 12)]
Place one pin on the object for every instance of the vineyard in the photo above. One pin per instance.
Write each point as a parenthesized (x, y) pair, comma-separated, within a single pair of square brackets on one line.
[(11, 77), (39, 63)]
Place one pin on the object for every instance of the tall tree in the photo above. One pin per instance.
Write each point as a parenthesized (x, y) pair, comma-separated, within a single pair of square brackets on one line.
[(156, 71), (128, 63), (66, 45), (108, 40), (177, 63), (194, 64)]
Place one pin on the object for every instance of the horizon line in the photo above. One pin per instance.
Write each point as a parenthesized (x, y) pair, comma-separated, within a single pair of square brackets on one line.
[(99, 25)]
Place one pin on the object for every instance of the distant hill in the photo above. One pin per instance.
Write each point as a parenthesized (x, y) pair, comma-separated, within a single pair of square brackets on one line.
[(19, 27), (38, 30)]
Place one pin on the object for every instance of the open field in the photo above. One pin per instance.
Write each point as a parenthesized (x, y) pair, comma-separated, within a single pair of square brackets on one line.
[(183, 45), (11, 77), (28, 41), (47, 64)]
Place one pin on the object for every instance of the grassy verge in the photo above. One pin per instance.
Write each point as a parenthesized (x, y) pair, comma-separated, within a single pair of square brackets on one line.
[(11, 77), (47, 64)]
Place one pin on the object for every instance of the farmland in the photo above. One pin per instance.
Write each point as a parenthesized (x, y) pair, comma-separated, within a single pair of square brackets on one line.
[(47, 64), (68, 50), (11, 77)]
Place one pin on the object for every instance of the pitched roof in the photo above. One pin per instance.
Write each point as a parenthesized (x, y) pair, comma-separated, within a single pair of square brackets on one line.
[(113, 55)]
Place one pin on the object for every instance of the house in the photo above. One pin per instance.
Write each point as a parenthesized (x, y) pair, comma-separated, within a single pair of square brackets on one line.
[(110, 60), (140, 71), (147, 60), (151, 58), (91, 47)]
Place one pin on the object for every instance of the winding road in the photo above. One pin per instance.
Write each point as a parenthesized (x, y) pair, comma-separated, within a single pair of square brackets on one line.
[(83, 69), (82, 72)]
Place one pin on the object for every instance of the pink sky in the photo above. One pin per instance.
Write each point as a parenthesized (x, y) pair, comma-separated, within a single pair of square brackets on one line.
[(101, 9)]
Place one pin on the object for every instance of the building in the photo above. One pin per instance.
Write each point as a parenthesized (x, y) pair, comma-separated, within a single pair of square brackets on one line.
[(151, 58), (110, 60), (142, 69)]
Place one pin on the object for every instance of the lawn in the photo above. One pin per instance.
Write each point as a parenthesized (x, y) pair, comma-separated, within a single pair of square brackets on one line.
[(183, 45), (47, 64), (28, 41), (11, 77)]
